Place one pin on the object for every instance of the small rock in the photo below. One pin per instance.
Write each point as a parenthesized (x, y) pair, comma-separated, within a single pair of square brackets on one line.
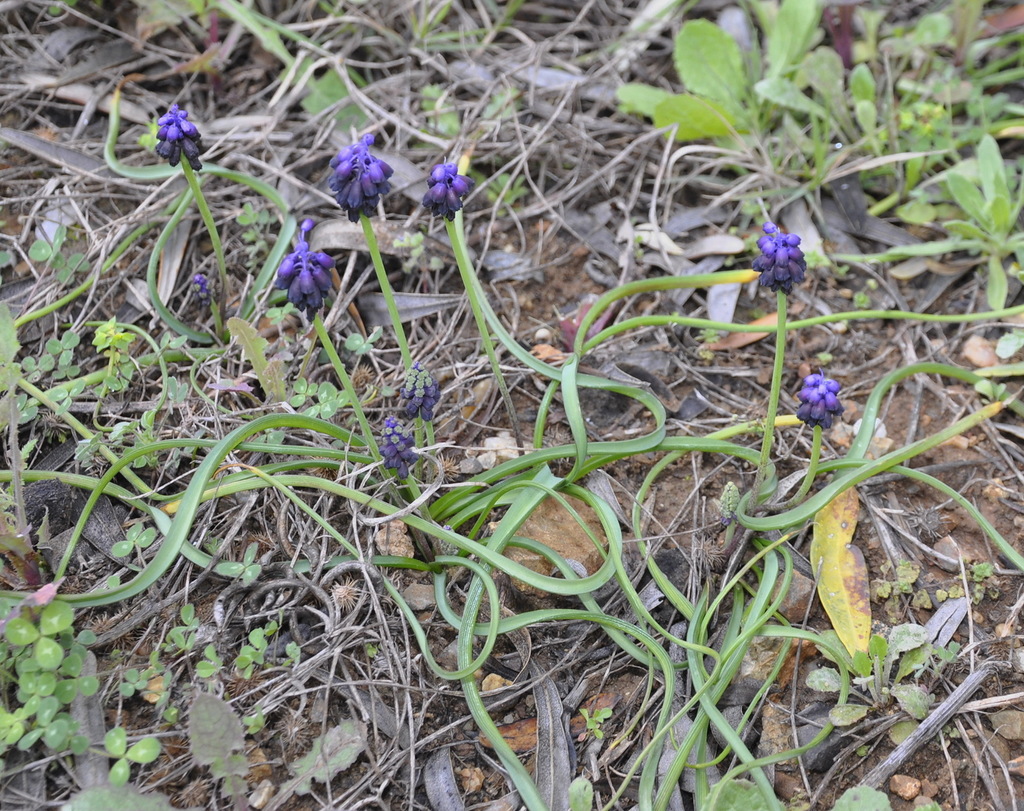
[(1016, 767), (921, 801), (928, 788), (788, 786), (470, 466), (1009, 724), (979, 352), (947, 548), (905, 786), (448, 656), (262, 795), (492, 681), (392, 538), (798, 599), (419, 596)]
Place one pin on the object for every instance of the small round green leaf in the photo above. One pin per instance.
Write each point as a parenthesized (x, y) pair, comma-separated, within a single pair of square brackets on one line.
[(20, 631), (145, 751), (116, 742), (120, 772), (48, 708), (48, 653), (57, 734)]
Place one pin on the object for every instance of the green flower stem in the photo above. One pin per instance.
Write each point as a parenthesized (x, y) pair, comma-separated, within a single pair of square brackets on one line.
[(385, 287), (773, 401), (218, 248), (151, 274), (473, 291), (346, 384), (812, 468), (581, 344)]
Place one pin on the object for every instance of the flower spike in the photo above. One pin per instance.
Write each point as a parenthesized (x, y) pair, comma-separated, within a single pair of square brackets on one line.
[(781, 263), (820, 400), (201, 288), (359, 179), (176, 136), (306, 275), (446, 189), (421, 393), (396, 448)]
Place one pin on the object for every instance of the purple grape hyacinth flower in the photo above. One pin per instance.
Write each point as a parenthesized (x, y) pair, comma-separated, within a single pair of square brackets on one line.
[(176, 136), (396, 448), (446, 189), (820, 400), (201, 288), (359, 179), (306, 275), (420, 393), (781, 263)]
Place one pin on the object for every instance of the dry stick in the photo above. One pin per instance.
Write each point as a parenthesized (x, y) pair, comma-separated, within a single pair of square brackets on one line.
[(929, 727)]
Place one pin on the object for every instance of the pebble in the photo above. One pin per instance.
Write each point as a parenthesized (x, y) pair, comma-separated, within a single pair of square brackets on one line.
[(419, 596), (979, 352), (1008, 724), (905, 786), (798, 598), (262, 795), (948, 548)]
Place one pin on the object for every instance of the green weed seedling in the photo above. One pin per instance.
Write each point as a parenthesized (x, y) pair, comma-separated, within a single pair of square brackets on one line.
[(991, 197), (115, 345), (49, 253), (116, 743), (182, 638), (138, 538), (322, 400), (727, 93), (43, 658), (907, 651), (254, 653), (56, 362), (595, 721), (211, 664)]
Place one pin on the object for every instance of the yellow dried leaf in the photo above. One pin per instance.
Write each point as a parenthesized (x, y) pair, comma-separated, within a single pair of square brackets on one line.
[(841, 572)]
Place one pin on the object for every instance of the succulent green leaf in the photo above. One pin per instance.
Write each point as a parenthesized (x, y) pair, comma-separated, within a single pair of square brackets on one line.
[(116, 742), (145, 751)]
